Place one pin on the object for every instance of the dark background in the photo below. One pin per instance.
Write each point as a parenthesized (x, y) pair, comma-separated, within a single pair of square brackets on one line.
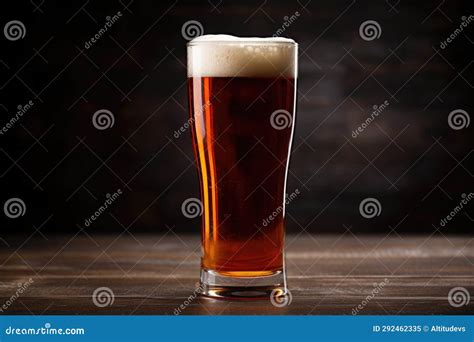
[(408, 158)]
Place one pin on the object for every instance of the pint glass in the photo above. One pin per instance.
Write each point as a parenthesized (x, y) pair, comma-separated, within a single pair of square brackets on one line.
[(242, 108)]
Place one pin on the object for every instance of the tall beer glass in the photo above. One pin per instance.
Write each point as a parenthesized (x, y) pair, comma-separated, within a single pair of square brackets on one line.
[(242, 106)]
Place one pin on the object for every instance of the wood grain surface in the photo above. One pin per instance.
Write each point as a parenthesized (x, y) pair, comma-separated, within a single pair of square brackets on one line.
[(152, 274)]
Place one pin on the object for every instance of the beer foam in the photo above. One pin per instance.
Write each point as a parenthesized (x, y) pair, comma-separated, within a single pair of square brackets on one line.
[(230, 56)]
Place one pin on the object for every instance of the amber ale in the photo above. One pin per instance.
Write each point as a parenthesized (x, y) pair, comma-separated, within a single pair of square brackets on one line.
[(242, 104)]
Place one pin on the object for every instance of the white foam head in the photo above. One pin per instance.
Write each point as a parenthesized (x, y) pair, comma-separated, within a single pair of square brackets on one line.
[(229, 56)]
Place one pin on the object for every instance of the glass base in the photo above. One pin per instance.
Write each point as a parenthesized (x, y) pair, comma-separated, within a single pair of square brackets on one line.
[(217, 285)]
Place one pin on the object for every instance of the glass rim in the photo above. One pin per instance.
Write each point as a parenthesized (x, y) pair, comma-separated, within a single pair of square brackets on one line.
[(240, 42)]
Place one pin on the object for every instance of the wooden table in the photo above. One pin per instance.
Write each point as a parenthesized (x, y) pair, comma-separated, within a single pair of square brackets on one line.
[(156, 274)]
